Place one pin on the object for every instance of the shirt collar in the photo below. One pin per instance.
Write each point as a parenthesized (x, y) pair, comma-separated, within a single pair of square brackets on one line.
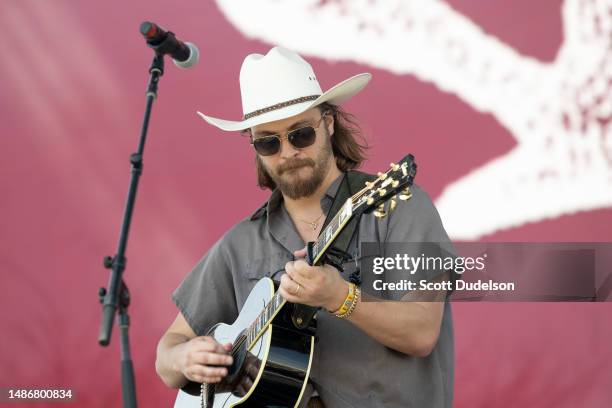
[(276, 199)]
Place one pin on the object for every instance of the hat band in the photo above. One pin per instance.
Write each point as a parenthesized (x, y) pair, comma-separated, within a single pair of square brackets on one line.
[(280, 106)]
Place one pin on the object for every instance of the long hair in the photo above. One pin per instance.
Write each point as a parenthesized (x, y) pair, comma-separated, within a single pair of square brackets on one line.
[(348, 145)]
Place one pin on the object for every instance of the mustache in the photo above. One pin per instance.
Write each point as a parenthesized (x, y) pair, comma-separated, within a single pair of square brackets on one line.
[(295, 164)]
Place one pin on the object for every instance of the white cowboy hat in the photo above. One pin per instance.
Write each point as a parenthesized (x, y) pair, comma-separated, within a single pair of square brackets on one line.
[(282, 84)]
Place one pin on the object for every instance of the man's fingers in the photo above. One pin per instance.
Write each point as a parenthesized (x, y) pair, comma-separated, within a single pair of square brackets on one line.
[(203, 374), (287, 282), (289, 267), (252, 371), (208, 380), (246, 383), (302, 271), (208, 358), (286, 295), (299, 270), (300, 253), (210, 372), (204, 359), (290, 286), (207, 343), (300, 264)]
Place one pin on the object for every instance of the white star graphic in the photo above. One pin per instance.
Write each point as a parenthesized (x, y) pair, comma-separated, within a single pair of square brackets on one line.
[(558, 112)]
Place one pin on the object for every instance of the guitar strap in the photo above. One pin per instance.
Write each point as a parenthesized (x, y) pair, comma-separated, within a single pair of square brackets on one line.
[(337, 254)]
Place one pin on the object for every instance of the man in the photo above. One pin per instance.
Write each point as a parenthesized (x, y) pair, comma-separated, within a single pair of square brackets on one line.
[(392, 354)]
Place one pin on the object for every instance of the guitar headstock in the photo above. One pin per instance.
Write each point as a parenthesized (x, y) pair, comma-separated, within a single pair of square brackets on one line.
[(394, 182)]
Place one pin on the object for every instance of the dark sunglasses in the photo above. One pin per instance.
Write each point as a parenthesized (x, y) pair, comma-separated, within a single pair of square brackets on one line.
[(299, 138)]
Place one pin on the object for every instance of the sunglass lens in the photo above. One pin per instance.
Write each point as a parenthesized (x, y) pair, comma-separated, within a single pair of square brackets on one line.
[(266, 146), (301, 138)]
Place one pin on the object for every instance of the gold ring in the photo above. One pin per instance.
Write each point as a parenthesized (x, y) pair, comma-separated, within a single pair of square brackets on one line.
[(297, 290)]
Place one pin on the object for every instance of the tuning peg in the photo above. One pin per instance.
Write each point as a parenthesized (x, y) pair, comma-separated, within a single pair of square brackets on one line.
[(395, 183), (380, 211), (405, 194), (394, 167), (382, 176), (370, 201), (382, 191), (392, 204), (369, 184)]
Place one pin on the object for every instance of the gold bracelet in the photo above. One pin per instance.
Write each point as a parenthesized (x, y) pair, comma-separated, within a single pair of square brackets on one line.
[(344, 307), (352, 305)]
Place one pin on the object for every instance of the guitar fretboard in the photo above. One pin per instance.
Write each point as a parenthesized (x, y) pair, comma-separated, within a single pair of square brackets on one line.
[(332, 230)]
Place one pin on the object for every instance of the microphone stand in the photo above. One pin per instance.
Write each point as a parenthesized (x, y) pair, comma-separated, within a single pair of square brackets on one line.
[(117, 295)]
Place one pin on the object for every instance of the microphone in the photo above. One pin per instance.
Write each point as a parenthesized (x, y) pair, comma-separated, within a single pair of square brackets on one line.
[(183, 54)]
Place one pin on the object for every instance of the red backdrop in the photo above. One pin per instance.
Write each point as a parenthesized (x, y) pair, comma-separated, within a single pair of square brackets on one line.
[(73, 78)]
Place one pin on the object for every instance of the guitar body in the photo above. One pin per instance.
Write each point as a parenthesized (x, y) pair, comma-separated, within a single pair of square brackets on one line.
[(278, 364)]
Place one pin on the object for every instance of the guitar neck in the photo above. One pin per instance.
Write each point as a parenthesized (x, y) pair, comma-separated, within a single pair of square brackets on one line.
[(331, 232), (256, 329)]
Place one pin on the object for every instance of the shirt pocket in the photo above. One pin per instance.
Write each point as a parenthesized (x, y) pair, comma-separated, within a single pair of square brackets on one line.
[(271, 266)]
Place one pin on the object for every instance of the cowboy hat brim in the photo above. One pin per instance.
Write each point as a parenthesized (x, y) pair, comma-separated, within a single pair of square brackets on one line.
[(335, 95)]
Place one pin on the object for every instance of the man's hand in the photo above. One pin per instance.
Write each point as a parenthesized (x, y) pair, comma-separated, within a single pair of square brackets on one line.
[(196, 359), (313, 285), (251, 368)]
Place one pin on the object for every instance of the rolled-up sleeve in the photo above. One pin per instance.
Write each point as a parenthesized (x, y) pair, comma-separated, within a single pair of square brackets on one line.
[(206, 296), (415, 226)]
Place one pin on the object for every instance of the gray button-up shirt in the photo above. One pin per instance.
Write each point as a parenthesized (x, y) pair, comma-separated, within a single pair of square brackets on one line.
[(350, 369)]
